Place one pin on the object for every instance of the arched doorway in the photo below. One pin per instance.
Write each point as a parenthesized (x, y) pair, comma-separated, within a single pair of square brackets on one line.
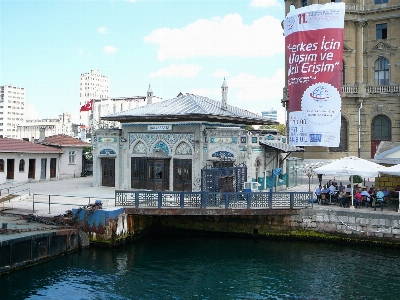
[(381, 130)]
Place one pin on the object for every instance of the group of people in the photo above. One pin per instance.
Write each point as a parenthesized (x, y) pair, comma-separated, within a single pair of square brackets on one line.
[(362, 196)]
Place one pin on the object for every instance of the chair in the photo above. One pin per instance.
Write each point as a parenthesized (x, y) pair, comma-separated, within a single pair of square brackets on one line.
[(323, 199), (364, 201)]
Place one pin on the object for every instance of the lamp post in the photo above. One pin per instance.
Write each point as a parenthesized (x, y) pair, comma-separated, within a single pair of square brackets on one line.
[(309, 172)]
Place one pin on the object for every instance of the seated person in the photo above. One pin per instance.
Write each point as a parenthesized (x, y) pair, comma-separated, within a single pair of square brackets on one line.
[(325, 192), (343, 197), (367, 195), (357, 198), (385, 192), (332, 189), (340, 187), (318, 193), (379, 199)]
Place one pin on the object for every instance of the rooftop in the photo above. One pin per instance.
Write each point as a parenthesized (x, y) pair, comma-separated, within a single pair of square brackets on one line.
[(189, 107), (63, 140), (14, 145)]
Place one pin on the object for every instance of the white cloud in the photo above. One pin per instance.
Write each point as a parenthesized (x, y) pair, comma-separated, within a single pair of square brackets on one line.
[(184, 70), (102, 29), (220, 37), (266, 3), (219, 73), (110, 49), (250, 88)]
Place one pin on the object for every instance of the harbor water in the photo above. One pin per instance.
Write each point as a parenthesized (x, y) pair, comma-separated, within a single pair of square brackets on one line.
[(175, 267)]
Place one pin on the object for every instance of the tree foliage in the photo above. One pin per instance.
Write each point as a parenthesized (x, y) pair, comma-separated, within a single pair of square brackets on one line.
[(280, 127)]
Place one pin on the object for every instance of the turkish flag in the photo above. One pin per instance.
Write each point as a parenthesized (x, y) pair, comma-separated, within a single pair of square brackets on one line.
[(88, 106)]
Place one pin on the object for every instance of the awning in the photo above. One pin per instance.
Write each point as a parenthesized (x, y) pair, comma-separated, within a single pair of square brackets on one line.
[(281, 146)]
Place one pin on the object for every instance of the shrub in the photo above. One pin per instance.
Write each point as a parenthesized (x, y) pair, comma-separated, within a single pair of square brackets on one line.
[(356, 179)]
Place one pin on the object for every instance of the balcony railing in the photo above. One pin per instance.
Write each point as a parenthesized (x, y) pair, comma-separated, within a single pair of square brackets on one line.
[(372, 89), (382, 89)]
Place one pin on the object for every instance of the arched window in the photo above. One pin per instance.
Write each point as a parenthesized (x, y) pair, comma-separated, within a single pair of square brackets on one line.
[(382, 71), (343, 144), (381, 128)]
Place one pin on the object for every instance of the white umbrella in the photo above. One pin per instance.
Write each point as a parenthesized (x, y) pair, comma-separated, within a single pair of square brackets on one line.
[(393, 170), (351, 165)]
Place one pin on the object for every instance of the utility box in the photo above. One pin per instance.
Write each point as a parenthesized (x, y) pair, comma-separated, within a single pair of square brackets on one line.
[(251, 186)]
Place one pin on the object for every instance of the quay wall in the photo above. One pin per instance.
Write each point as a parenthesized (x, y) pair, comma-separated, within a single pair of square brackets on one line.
[(340, 226), (316, 224), (26, 249)]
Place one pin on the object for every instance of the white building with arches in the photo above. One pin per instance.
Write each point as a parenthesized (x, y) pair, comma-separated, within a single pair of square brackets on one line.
[(166, 145)]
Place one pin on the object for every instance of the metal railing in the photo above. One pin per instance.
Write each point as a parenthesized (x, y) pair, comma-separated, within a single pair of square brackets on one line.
[(227, 200), (67, 201), (13, 189)]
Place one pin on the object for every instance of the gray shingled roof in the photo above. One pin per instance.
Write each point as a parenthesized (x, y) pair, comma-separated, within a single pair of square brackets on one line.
[(281, 146), (189, 108)]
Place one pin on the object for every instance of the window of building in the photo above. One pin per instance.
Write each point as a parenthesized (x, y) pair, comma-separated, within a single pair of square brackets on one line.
[(382, 71), (381, 128), (304, 2), (381, 1), (72, 155), (21, 165), (1, 165), (381, 31)]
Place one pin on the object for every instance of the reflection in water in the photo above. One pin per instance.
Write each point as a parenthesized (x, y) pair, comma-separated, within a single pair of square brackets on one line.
[(170, 267)]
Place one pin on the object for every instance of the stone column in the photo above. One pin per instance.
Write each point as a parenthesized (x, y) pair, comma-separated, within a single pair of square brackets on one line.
[(359, 50)]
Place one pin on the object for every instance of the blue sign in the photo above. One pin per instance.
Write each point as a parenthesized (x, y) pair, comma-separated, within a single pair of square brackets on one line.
[(276, 172)]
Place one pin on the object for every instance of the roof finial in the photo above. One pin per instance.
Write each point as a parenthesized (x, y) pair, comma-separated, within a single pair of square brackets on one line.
[(149, 95), (224, 103)]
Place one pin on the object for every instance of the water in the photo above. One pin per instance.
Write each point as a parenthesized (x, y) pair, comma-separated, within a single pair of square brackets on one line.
[(170, 267)]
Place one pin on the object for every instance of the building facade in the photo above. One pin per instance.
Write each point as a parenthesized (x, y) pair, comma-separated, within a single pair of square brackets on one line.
[(12, 110), (71, 161), (370, 76), (169, 145), (22, 161), (39, 129), (107, 106), (93, 85), (271, 114)]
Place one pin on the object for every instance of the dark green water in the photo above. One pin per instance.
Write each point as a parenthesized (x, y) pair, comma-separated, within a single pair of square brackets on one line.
[(212, 268)]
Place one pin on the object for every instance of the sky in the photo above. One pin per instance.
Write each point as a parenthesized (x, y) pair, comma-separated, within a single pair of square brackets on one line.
[(186, 46)]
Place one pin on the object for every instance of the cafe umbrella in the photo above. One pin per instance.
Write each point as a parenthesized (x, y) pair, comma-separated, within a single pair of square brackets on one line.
[(351, 166)]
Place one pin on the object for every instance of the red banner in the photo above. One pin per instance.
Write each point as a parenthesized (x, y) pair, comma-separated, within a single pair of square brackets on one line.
[(314, 46)]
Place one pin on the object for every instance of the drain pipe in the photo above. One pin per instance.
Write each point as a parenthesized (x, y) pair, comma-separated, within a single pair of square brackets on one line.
[(359, 128)]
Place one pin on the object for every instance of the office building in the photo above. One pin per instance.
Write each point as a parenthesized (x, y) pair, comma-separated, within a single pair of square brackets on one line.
[(12, 110)]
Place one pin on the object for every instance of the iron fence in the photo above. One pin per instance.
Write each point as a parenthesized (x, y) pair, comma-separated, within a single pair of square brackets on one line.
[(227, 200)]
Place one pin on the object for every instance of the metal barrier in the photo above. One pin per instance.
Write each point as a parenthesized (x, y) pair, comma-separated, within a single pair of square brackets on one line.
[(227, 200), (13, 189), (75, 201)]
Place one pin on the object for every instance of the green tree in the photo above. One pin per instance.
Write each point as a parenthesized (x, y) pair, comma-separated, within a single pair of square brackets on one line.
[(87, 152), (280, 127)]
